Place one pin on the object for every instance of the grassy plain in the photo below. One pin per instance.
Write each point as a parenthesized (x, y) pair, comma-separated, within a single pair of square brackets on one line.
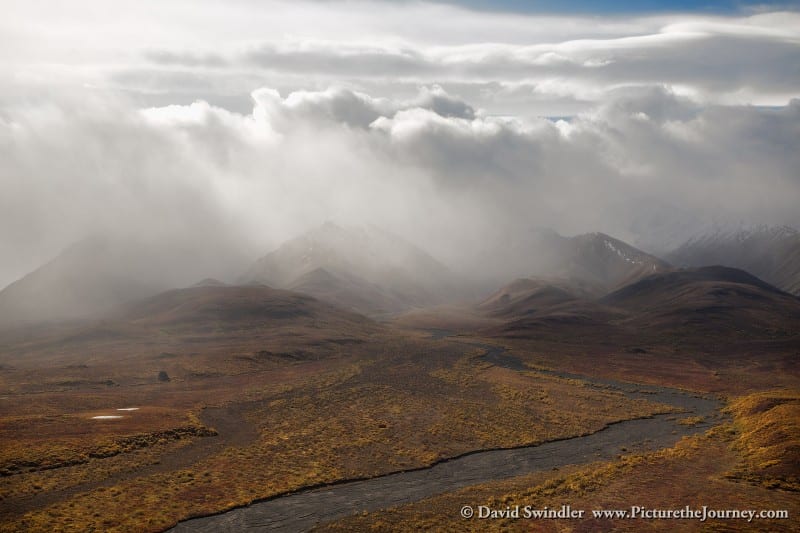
[(250, 416), (749, 463), (253, 393)]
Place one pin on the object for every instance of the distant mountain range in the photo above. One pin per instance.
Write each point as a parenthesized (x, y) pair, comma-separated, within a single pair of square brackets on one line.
[(376, 273), (592, 258), (709, 301), (771, 253)]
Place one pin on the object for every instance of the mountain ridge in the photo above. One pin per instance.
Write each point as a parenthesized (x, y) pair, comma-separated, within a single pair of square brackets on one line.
[(769, 252), (364, 269)]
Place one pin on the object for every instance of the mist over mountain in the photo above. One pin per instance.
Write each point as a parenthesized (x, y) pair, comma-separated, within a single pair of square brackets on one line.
[(361, 268), (527, 296), (347, 265), (100, 273), (770, 252), (371, 271), (596, 259), (454, 180)]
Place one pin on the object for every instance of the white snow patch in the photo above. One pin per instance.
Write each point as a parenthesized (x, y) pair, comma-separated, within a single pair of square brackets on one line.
[(620, 253)]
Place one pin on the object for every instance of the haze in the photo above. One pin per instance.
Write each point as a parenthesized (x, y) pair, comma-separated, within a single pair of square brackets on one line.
[(231, 127)]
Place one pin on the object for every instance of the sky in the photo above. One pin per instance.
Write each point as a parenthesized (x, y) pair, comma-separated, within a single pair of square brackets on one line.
[(233, 125), (626, 7)]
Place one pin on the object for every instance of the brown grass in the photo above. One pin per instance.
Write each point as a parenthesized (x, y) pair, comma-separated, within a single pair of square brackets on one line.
[(397, 403), (768, 424), (699, 470)]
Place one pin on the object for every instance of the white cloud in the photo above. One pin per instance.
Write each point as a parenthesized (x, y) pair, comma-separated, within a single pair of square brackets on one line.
[(214, 50), (417, 116), (428, 167)]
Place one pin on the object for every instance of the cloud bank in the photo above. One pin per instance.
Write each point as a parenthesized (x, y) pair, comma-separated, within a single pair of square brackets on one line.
[(230, 126), (507, 63), (648, 165)]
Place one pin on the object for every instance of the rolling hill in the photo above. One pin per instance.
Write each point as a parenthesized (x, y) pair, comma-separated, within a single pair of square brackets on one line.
[(215, 320), (233, 307), (708, 299), (528, 296), (692, 303)]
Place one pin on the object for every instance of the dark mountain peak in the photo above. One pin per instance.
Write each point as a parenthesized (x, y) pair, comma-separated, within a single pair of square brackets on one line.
[(705, 301), (606, 261), (666, 285), (611, 246)]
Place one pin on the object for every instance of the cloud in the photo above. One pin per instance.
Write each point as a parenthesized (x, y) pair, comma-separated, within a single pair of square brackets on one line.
[(430, 167), (520, 64), (737, 59)]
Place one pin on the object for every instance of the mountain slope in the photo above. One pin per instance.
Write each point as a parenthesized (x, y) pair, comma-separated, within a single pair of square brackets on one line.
[(606, 261), (347, 291), (213, 321), (87, 279), (708, 299), (96, 275), (771, 253), (219, 305), (528, 296), (363, 269), (689, 306), (594, 258)]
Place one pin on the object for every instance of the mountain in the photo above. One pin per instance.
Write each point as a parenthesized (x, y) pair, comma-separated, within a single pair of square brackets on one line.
[(363, 269), (347, 291), (528, 296), (771, 253), (592, 258), (708, 299), (96, 275), (699, 303), (218, 324), (601, 259), (87, 279)]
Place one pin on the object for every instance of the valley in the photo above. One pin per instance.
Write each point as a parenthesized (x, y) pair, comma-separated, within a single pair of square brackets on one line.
[(218, 406), (389, 266)]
